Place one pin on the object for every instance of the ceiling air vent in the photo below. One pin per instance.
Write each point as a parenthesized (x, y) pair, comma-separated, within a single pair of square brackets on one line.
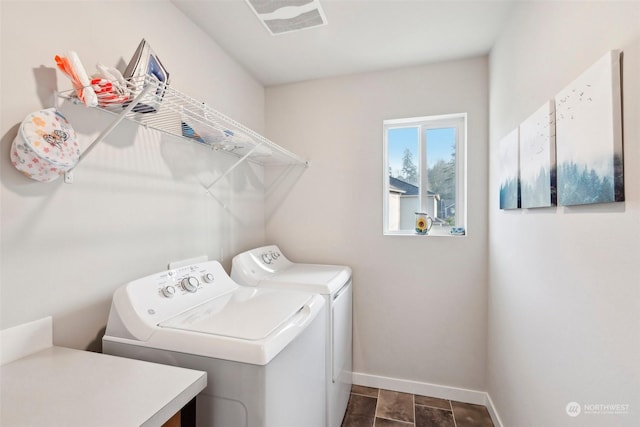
[(283, 16)]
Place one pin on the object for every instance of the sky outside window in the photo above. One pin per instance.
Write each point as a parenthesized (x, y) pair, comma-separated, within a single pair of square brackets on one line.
[(399, 140), (440, 146)]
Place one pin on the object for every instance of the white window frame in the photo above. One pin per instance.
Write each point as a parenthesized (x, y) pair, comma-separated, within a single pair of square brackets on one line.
[(457, 121)]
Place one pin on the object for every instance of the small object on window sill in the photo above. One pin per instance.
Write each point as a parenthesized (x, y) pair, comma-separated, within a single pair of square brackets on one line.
[(457, 231), (423, 223)]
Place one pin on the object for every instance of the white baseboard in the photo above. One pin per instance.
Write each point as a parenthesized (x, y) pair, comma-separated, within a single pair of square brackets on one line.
[(427, 389), (497, 422)]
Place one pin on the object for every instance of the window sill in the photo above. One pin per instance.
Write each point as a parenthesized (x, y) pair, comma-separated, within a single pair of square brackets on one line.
[(432, 233)]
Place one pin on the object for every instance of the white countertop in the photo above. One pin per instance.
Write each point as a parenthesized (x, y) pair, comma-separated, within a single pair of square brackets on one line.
[(59, 386)]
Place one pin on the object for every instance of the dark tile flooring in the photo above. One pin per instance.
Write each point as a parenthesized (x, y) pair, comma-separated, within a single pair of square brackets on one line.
[(372, 407)]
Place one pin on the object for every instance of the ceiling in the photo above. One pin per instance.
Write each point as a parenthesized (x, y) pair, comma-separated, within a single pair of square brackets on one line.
[(361, 35)]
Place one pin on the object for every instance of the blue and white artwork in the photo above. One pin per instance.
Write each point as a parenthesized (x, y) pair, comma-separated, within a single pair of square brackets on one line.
[(589, 136), (509, 171), (538, 158)]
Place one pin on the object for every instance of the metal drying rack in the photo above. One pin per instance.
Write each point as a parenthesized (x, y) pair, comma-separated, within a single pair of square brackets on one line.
[(157, 105)]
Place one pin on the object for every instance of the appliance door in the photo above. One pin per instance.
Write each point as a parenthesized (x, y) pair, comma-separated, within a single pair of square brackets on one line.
[(341, 334), (247, 313)]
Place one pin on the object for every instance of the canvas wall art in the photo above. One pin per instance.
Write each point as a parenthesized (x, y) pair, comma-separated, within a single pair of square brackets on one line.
[(589, 136), (538, 158), (509, 171)]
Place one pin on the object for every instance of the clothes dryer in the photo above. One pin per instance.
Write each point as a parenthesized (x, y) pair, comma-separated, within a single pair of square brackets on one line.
[(267, 267)]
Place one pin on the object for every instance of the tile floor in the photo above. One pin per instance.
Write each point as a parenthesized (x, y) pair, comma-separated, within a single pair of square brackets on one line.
[(372, 407)]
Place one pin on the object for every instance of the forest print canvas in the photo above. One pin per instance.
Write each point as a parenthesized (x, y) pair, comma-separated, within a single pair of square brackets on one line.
[(538, 158), (509, 171), (589, 136)]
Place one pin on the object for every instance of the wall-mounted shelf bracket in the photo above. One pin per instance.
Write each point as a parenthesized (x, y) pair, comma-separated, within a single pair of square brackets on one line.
[(68, 176), (232, 167)]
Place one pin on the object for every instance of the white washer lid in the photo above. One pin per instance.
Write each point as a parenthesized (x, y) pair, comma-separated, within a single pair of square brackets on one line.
[(319, 278), (246, 313)]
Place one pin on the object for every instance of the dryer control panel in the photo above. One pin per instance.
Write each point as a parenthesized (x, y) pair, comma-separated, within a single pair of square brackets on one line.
[(270, 256), (249, 268), (267, 266)]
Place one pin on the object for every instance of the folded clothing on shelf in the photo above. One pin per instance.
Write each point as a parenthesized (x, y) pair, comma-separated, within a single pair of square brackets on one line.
[(46, 146)]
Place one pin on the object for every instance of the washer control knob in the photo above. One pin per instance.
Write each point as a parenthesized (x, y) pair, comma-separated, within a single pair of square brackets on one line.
[(208, 278), (190, 284), (168, 291), (266, 258)]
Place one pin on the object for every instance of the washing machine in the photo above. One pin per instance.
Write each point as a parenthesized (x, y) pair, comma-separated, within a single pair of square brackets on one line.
[(268, 268), (262, 349)]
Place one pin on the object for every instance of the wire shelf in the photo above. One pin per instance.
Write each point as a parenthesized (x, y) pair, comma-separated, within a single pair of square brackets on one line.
[(161, 107)]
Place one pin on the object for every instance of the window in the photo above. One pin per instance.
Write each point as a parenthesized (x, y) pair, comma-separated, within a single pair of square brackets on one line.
[(424, 170)]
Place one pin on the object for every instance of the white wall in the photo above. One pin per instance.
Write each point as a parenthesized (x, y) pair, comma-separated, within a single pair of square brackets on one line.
[(137, 201), (420, 302), (564, 289)]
